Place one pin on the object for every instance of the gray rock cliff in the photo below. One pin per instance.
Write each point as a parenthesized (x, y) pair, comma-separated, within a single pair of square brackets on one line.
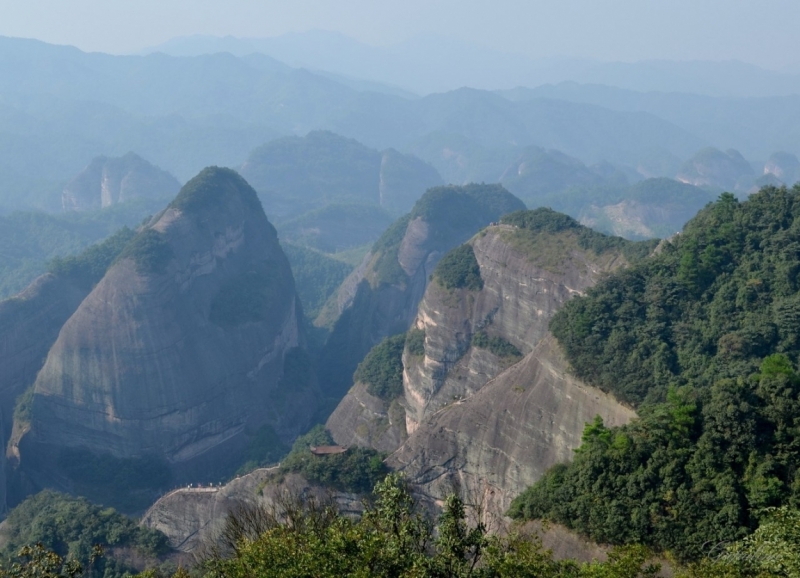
[(178, 353), (380, 298), (108, 181)]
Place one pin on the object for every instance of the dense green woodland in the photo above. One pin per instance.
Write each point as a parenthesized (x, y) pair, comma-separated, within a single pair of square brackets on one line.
[(307, 537), (72, 528), (704, 339)]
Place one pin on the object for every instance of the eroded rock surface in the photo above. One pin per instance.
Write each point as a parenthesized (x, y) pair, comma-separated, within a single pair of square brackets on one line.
[(500, 440), (178, 352), (108, 181), (192, 518), (525, 281)]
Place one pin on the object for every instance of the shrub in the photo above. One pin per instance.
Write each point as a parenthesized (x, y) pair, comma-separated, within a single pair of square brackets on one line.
[(356, 470), (382, 368), (150, 250), (459, 270), (415, 341), (497, 345)]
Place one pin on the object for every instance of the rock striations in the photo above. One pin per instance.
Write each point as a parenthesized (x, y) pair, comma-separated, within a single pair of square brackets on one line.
[(489, 405), (108, 181), (380, 297), (178, 352)]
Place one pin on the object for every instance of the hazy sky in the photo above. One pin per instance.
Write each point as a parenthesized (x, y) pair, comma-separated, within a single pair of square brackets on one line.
[(759, 31)]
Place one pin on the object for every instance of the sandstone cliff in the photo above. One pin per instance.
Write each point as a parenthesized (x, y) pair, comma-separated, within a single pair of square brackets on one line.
[(380, 298), (178, 353), (489, 405), (108, 181), (495, 443), (192, 518)]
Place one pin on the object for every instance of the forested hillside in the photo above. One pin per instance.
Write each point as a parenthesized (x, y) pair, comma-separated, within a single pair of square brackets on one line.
[(703, 339)]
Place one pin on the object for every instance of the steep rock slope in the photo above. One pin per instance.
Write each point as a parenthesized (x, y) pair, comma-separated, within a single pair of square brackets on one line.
[(380, 297), (178, 353), (528, 270), (108, 181), (487, 400), (497, 442), (192, 518)]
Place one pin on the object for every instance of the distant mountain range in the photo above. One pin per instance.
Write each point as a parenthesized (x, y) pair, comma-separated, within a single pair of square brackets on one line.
[(432, 63), (60, 108)]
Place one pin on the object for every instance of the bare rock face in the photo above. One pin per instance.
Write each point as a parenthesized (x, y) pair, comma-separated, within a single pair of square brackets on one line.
[(193, 517), (488, 401), (178, 353), (523, 287), (361, 419), (381, 297), (108, 181), (497, 442)]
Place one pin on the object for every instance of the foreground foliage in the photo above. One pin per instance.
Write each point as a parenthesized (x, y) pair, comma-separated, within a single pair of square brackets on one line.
[(705, 339), (55, 535), (357, 470), (391, 539)]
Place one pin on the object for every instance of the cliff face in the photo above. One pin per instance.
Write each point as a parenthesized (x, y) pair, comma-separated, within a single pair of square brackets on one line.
[(380, 298), (192, 518), (525, 281), (108, 181), (489, 405), (498, 441), (178, 353)]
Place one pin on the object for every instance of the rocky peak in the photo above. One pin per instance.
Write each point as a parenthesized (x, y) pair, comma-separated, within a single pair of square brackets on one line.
[(178, 352), (108, 181), (382, 296), (487, 398), (721, 170)]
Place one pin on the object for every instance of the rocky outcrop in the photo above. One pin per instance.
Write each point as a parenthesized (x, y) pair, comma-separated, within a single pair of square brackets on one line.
[(713, 168), (178, 352), (497, 442), (489, 404), (783, 166), (388, 287), (193, 517), (108, 181), (527, 277), (362, 419)]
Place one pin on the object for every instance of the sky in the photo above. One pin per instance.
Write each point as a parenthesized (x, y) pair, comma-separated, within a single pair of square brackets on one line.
[(761, 32)]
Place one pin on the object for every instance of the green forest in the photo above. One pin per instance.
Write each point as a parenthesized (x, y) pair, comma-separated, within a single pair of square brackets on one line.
[(703, 338)]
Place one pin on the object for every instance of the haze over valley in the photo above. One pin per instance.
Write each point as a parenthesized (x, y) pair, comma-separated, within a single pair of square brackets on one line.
[(400, 291)]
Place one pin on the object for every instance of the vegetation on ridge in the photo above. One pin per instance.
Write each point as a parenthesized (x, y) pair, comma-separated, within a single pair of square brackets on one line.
[(459, 270), (72, 527), (207, 191), (705, 338), (382, 368), (356, 470)]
